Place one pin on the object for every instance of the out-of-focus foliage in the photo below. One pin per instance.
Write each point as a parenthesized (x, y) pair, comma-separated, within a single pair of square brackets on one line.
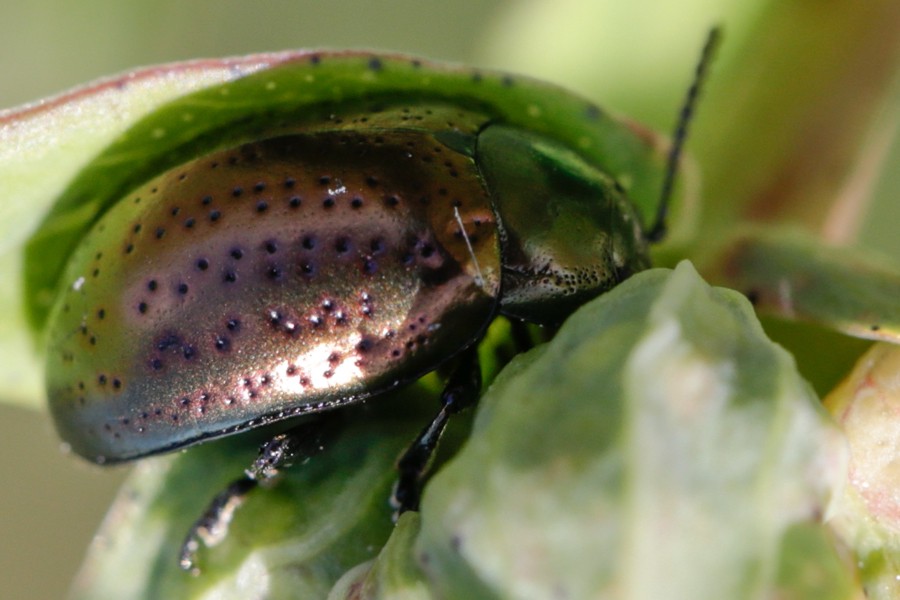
[(798, 126)]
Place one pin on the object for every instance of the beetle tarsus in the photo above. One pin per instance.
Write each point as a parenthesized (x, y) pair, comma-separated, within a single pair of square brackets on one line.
[(303, 441), (461, 392), (212, 527), (279, 452)]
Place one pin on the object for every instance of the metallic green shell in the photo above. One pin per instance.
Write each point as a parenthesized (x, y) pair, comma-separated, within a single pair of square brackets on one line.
[(569, 232), (278, 278), (339, 235)]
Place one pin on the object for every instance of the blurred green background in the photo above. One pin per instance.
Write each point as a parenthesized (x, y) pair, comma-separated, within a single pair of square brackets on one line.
[(633, 57)]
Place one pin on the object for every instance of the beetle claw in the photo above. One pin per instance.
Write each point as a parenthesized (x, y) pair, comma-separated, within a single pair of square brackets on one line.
[(188, 556)]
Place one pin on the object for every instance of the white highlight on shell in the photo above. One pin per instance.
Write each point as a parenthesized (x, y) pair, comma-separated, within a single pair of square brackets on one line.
[(315, 363)]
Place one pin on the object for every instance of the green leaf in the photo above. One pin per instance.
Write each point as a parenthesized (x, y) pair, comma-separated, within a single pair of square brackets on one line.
[(790, 274), (293, 540), (658, 439), (812, 568), (394, 575), (659, 447)]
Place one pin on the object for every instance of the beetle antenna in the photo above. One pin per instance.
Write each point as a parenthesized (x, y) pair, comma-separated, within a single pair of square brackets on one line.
[(658, 231)]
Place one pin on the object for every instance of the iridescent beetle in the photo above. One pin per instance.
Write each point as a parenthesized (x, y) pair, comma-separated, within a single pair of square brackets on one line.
[(333, 251)]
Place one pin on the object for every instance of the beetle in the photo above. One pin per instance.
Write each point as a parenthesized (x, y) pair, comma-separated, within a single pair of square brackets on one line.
[(318, 257)]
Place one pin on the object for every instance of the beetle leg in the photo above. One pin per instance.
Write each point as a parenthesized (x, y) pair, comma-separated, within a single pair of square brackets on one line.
[(521, 336), (462, 391), (302, 441), (212, 527)]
